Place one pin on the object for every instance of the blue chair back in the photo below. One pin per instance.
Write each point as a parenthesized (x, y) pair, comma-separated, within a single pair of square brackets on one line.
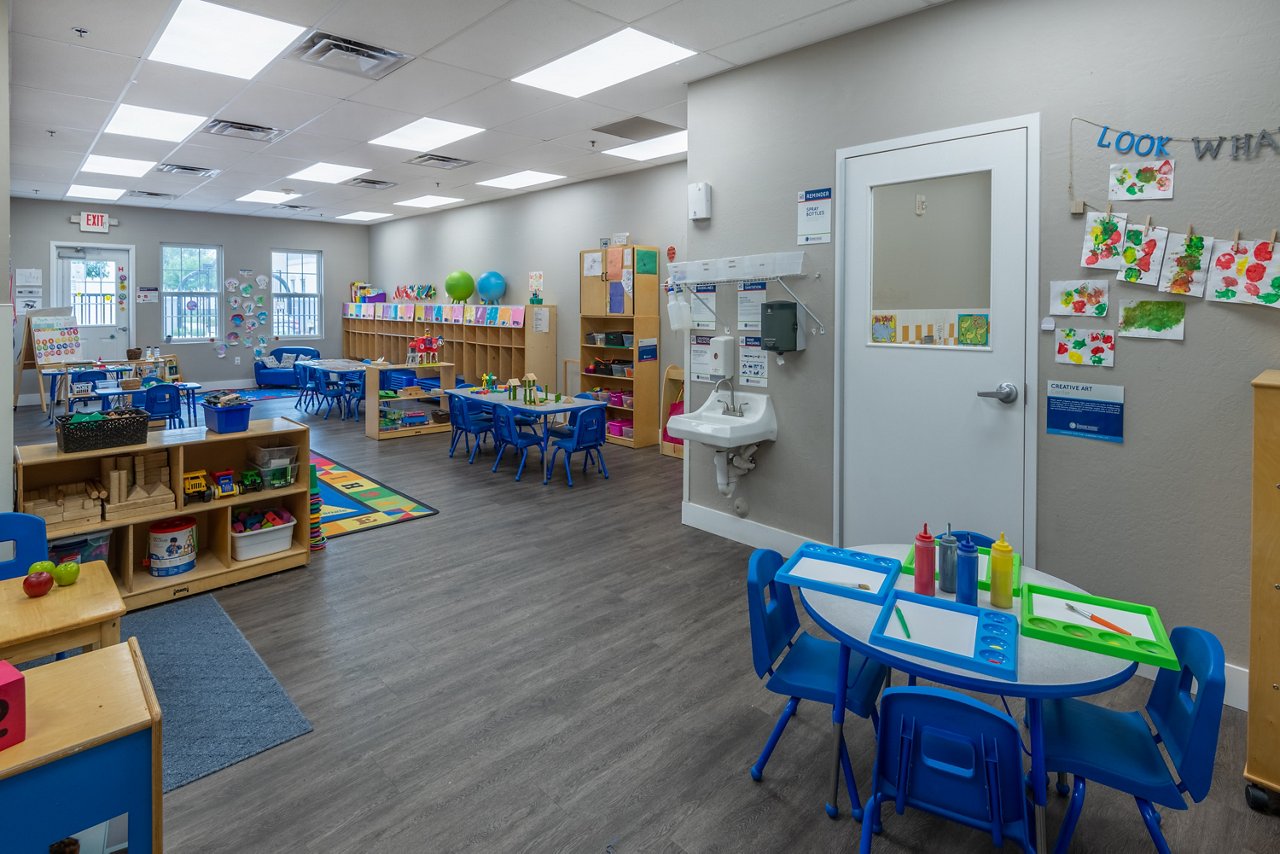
[(504, 424), (1188, 725), (94, 377), (954, 756), (589, 429), (771, 610), (982, 541), (30, 543), (164, 400), (468, 410)]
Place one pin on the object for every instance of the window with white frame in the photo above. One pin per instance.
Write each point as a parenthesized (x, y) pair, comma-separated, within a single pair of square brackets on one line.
[(191, 279), (297, 294)]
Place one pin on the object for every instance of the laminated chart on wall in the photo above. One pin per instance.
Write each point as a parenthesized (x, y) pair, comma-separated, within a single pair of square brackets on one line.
[(700, 358), (702, 305), (1185, 268), (751, 296), (1153, 319), (1079, 297), (1142, 253), (753, 362), (1103, 233), (56, 339), (1244, 271), (1146, 179)]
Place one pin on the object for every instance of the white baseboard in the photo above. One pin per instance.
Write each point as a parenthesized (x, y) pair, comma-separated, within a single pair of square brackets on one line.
[(739, 530), (760, 536), (33, 398)]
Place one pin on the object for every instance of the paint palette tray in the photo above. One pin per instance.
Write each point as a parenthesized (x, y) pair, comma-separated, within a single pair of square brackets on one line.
[(947, 632), (1045, 616), (984, 568), (841, 572)]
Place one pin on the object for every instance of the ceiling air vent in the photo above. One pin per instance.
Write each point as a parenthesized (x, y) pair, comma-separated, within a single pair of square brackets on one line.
[(298, 208), (240, 130), (147, 194), (189, 171), (338, 54), (369, 184), (439, 161)]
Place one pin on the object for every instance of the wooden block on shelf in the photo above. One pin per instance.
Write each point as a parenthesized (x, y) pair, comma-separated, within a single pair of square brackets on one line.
[(125, 509)]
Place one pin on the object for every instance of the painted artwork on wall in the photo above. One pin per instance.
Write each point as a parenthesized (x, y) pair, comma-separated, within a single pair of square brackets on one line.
[(1146, 318), (973, 330), (1103, 233), (1143, 251), (884, 328), (1186, 264), (1079, 298), (1087, 347), (1244, 272), (1148, 179)]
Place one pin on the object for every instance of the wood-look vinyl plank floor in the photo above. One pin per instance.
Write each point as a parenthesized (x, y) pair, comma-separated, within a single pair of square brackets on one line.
[(547, 669)]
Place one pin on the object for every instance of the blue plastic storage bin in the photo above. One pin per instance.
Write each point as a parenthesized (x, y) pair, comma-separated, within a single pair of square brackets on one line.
[(227, 419)]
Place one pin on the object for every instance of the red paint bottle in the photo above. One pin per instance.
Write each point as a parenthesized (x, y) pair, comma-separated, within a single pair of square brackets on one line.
[(926, 553)]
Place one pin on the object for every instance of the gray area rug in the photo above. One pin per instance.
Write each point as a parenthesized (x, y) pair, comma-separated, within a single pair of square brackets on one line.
[(220, 704)]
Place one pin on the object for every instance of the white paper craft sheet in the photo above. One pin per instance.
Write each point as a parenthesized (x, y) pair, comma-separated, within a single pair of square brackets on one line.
[(1056, 609), (940, 628), (837, 573)]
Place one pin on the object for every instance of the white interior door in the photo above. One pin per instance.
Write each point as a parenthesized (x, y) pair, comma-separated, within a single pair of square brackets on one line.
[(934, 265), (88, 280)]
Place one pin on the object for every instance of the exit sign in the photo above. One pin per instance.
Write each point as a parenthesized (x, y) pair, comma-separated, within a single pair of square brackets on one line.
[(90, 221)]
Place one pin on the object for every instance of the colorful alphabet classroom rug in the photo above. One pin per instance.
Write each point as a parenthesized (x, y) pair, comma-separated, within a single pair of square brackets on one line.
[(356, 502)]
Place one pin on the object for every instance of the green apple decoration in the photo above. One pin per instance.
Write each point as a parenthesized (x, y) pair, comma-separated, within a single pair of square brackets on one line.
[(66, 573), (41, 566)]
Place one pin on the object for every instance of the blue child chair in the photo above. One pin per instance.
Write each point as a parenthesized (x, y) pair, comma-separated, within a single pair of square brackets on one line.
[(164, 400), (467, 420), (800, 666), (94, 377), (589, 437), (565, 431), (508, 434), (1118, 750), (950, 755), (28, 535)]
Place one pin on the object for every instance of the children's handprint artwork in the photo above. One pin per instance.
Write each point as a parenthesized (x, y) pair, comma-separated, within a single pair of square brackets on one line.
[(1142, 253), (1103, 234), (1079, 298), (1186, 264), (1243, 272), (1150, 179), (1088, 347)]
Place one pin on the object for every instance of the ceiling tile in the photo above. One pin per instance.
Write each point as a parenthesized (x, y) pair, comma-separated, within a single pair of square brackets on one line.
[(53, 109), (311, 146), (590, 140), (263, 104), (349, 120), (68, 67), (523, 35), (423, 86), (824, 25), (290, 73), (658, 88), (22, 173), (540, 157), (116, 145), (303, 12), (170, 87), (63, 139), (676, 114), (404, 25), (21, 155), (708, 24), (209, 157), (577, 115), (35, 189), (500, 103), (626, 10), (485, 145), (109, 28), (376, 157)]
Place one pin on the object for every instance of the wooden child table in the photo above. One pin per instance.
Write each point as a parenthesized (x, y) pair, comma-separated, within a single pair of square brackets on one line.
[(85, 614)]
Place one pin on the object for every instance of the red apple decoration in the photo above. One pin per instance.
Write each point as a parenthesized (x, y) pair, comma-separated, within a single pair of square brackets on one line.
[(37, 584)]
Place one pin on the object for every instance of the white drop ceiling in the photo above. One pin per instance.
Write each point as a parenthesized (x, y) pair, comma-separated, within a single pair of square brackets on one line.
[(65, 88)]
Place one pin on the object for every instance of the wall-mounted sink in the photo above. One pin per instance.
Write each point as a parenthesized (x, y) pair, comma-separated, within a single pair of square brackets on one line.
[(711, 425)]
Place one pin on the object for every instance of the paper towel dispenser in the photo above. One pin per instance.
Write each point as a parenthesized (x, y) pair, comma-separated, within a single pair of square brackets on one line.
[(780, 328)]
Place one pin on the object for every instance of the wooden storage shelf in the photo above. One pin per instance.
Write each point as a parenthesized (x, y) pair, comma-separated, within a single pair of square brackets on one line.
[(672, 390), (1262, 757), (446, 371), (188, 449), (639, 319)]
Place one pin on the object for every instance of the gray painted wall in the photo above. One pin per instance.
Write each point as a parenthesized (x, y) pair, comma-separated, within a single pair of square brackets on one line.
[(540, 231), (246, 243), (1163, 517)]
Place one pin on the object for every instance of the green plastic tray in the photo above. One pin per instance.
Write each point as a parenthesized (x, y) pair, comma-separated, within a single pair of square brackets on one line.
[(1096, 638), (909, 568)]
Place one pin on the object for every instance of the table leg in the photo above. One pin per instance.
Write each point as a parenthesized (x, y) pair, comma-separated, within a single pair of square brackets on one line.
[(837, 728), (1039, 777)]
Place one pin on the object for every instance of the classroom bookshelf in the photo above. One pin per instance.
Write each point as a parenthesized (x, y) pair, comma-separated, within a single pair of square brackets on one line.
[(609, 311), (38, 466), (1262, 755), (474, 346)]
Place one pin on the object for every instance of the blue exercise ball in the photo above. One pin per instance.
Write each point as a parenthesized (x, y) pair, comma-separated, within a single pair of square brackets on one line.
[(491, 286)]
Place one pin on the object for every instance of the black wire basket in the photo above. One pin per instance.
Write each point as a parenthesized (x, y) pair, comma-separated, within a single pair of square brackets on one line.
[(128, 427)]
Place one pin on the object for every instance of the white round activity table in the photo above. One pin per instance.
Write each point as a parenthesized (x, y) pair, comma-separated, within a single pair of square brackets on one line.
[(1045, 670)]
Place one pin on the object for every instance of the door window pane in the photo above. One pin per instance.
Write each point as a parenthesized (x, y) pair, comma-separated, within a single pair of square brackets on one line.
[(93, 292), (931, 261)]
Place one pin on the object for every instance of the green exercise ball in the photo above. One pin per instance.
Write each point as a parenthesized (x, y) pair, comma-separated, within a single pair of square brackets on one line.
[(459, 285)]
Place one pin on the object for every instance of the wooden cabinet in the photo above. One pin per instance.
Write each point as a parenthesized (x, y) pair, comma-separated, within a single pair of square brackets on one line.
[(187, 450), (1262, 762), (474, 348), (619, 326), (378, 423)]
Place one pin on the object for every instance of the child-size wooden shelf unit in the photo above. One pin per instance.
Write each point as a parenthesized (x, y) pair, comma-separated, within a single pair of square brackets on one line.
[(187, 450)]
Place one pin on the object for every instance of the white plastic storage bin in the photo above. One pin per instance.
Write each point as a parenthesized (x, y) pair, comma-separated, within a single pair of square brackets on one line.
[(262, 542)]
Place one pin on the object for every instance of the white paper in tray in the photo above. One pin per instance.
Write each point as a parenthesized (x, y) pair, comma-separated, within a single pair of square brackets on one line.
[(837, 573)]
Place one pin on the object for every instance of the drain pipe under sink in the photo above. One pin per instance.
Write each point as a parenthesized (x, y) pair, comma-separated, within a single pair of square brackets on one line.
[(732, 464)]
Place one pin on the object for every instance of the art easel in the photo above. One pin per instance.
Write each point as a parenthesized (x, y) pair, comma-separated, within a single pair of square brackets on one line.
[(25, 352)]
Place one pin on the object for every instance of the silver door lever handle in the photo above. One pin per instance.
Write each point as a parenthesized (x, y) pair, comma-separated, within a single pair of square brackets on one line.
[(1005, 393)]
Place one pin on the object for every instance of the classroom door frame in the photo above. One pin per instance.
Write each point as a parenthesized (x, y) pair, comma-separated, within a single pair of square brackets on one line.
[(1029, 123), (131, 272)]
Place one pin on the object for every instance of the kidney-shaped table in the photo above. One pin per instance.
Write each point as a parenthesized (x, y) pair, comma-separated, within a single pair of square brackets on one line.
[(1046, 670)]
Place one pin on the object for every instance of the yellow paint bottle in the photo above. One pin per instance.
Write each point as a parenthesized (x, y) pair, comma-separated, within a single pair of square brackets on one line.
[(1002, 573)]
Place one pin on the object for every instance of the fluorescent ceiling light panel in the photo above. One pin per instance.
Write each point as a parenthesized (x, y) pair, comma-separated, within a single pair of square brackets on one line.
[(672, 143), (623, 55), (268, 197), (363, 216), (214, 38), (426, 134), (329, 173), (153, 124), (80, 191), (428, 202), (117, 166), (521, 179)]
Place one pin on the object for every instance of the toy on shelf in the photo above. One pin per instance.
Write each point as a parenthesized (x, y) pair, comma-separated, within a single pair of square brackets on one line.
[(256, 520), (223, 398), (136, 484), (224, 484), (489, 382), (459, 286), (69, 503), (425, 350), (195, 484), (250, 481), (491, 286)]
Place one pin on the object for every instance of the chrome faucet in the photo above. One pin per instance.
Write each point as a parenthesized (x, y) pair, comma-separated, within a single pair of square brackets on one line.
[(730, 405)]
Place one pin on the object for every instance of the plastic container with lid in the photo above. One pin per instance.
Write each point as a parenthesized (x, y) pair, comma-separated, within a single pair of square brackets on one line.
[(926, 552), (1001, 573)]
